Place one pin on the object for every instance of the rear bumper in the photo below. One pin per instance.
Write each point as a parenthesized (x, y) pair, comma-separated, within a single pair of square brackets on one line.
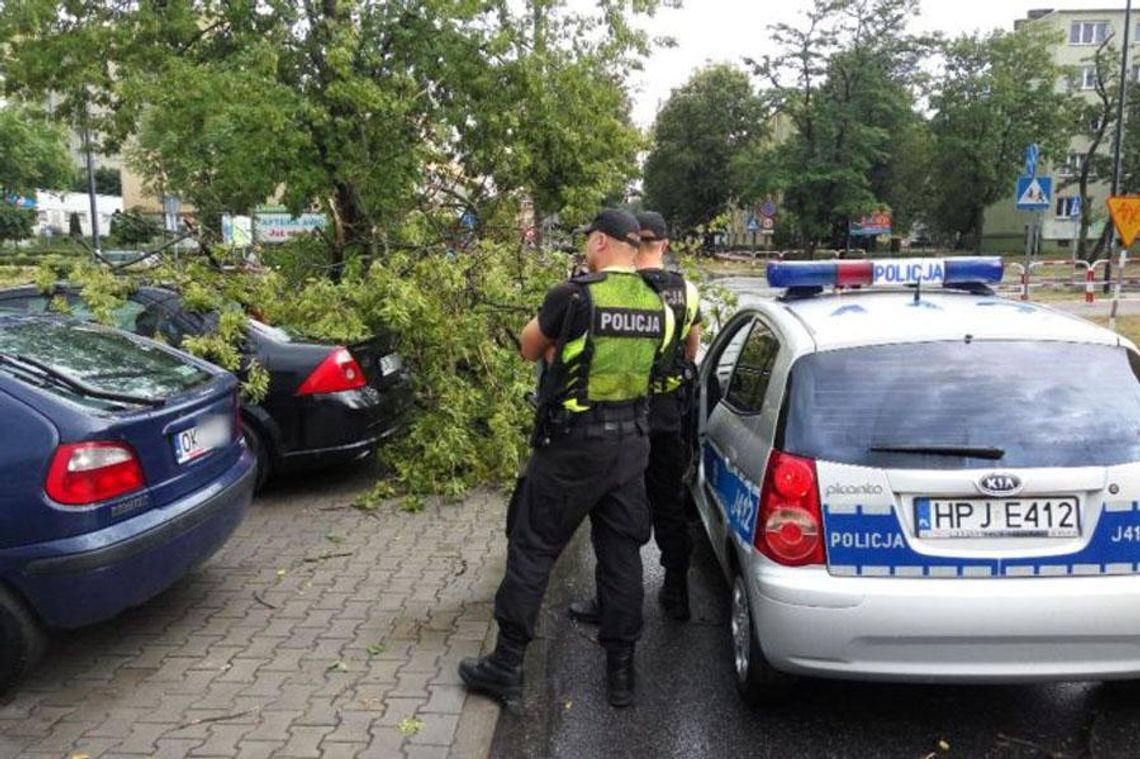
[(344, 426), (92, 577), (947, 630)]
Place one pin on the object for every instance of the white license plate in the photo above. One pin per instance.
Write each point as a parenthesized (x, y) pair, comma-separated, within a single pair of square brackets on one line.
[(196, 442), (1041, 517), (390, 364)]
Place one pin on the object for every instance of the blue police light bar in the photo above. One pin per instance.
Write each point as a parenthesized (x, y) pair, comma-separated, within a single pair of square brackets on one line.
[(886, 272)]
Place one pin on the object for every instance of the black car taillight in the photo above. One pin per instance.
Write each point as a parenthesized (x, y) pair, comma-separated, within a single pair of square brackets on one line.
[(339, 371)]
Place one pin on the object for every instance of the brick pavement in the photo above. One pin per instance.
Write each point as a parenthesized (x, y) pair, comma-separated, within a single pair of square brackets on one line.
[(317, 631)]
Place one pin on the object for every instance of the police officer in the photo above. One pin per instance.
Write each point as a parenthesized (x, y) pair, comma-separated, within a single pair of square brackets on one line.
[(601, 335), (668, 450)]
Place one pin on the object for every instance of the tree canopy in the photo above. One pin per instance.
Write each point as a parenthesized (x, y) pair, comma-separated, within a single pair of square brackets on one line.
[(702, 133), (998, 95), (366, 109), (33, 153)]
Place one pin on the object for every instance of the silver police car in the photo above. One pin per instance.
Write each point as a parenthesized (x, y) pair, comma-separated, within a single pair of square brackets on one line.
[(916, 480)]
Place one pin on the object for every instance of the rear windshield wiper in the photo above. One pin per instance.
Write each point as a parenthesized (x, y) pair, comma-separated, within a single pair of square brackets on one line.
[(78, 385), (966, 451)]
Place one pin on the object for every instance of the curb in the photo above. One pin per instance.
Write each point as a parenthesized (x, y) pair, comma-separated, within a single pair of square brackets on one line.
[(478, 718)]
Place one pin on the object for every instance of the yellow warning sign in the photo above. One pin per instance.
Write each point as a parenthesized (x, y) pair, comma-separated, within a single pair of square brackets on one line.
[(1125, 210)]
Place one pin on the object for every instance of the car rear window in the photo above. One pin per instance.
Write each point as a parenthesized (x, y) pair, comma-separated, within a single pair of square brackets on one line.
[(104, 359), (1042, 404)]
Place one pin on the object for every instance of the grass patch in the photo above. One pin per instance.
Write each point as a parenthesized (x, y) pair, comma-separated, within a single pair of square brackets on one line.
[(1128, 326)]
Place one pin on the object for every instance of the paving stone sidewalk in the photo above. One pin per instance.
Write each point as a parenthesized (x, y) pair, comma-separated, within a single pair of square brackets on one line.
[(317, 631)]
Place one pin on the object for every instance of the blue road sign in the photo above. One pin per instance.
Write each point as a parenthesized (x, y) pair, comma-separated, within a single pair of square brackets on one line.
[(1032, 153), (1075, 207), (1034, 193), (768, 210), (753, 224)]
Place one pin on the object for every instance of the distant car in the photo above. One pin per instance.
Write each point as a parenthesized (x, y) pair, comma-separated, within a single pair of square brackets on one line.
[(123, 468), (934, 484), (326, 403)]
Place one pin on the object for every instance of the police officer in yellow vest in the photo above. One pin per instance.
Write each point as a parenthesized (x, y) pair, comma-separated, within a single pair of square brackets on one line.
[(668, 450), (602, 335)]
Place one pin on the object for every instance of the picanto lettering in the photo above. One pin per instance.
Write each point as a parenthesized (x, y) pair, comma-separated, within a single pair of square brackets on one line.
[(868, 489)]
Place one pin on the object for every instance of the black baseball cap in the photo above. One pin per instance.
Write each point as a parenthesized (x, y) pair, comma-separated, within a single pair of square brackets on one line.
[(653, 227), (620, 225)]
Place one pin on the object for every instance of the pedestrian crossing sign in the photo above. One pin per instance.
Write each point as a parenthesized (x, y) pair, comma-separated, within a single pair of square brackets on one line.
[(1034, 193)]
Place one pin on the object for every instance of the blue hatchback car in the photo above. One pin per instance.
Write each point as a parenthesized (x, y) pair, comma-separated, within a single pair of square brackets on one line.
[(123, 467)]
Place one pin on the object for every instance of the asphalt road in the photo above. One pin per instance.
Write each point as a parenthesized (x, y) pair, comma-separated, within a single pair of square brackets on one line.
[(687, 705)]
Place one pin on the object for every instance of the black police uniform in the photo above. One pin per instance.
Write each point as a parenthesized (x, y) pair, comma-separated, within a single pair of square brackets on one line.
[(589, 460), (669, 452)]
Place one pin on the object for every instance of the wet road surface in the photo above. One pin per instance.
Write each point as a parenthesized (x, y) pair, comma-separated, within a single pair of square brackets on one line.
[(687, 705)]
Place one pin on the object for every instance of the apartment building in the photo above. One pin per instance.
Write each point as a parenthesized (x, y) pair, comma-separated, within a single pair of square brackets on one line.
[(1080, 33)]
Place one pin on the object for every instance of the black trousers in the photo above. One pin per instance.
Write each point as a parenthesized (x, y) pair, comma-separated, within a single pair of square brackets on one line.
[(664, 483), (589, 472), (669, 454)]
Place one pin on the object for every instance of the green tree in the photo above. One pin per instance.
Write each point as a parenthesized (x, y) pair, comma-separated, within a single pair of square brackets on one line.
[(16, 223), (1096, 124), (108, 181), (847, 80), (132, 228), (367, 109), (701, 134), (998, 95), (33, 153), (1130, 153)]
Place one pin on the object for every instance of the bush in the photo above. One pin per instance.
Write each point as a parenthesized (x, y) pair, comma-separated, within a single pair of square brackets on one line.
[(15, 223), (132, 229)]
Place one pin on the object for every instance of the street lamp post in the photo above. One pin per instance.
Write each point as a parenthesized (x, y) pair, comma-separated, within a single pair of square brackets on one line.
[(1118, 158), (91, 183)]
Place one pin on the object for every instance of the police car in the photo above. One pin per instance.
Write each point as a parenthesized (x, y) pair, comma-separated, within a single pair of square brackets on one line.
[(905, 477)]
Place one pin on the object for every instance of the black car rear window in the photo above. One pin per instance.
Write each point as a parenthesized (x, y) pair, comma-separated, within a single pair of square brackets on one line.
[(104, 359), (1042, 404)]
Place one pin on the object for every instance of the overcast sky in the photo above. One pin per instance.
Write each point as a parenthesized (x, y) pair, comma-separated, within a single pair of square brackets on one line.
[(725, 30)]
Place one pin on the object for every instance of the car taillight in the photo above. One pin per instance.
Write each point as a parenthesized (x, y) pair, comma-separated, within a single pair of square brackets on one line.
[(789, 528), (85, 473), (339, 371)]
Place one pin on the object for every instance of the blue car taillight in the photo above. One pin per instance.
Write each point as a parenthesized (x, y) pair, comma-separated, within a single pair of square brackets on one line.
[(84, 473)]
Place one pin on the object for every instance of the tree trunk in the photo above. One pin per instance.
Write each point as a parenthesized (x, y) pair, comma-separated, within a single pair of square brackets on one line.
[(979, 224)]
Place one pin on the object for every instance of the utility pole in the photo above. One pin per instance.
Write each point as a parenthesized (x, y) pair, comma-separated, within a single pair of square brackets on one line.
[(1118, 159), (96, 252)]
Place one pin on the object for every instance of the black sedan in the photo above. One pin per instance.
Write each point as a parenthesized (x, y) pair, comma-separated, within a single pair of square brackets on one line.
[(326, 403)]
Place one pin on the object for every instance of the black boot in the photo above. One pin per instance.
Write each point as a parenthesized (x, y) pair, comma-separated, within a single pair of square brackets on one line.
[(499, 675), (674, 595), (588, 612), (619, 676)]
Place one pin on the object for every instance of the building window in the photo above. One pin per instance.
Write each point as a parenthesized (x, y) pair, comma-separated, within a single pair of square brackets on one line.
[(1088, 32), (1068, 208), (1088, 78), (1136, 73), (1072, 165)]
